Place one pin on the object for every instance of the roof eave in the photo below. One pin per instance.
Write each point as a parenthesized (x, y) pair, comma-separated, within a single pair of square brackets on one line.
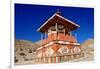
[(68, 20), (60, 17), (46, 22)]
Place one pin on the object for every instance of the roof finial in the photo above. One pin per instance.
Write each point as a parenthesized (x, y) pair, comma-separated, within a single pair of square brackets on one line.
[(58, 12)]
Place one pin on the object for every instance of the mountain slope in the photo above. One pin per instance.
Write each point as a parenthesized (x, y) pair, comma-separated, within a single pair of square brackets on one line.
[(25, 52), (88, 44)]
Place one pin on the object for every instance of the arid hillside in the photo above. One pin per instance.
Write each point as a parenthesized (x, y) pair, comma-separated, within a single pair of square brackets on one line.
[(25, 51)]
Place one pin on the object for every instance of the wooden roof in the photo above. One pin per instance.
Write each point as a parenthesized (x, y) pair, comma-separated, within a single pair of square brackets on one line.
[(56, 18)]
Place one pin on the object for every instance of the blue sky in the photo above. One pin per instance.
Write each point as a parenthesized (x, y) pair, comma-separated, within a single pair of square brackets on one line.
[(29, 17)]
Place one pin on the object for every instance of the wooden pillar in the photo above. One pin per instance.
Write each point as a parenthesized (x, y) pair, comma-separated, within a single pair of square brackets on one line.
[(50, 30), (68, 57), (56, 28), (44, 59), (64, 31), (40, 59), (65, 57), (72, 56), (77, 56), (56, 31), (54, 59), (64, 34), (50, 60), (50, 34), (62, 58), (59, 59), (70, 33)]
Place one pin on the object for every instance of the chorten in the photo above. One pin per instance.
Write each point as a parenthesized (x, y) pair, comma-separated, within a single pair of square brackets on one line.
[(59, 43)]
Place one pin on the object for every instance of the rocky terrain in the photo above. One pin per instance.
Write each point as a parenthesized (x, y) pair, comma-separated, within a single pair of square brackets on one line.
[(88, 48), (25, 52)]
